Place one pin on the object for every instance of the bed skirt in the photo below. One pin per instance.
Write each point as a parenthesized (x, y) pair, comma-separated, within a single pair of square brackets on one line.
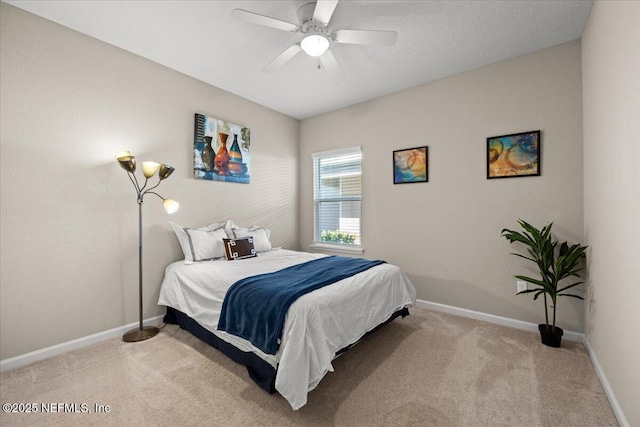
[(260, 371)]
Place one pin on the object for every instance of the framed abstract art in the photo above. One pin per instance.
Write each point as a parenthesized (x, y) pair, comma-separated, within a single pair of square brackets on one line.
[(514, 155), (411, 165)]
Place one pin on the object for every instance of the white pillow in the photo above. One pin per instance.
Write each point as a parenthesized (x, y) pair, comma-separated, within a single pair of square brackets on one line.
[(261, 236), (200, 244), (228, 228)]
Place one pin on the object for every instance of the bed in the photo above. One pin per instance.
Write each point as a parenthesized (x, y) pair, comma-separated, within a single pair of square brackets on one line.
[(318, 325)]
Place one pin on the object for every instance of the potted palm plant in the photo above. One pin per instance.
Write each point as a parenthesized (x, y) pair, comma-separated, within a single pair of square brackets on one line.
[(554, 265)]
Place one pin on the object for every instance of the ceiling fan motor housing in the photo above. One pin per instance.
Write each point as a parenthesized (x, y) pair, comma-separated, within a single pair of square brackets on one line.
[(307, 23)]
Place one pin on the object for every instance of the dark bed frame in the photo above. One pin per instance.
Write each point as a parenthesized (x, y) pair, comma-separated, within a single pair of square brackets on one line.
[(260, 371)]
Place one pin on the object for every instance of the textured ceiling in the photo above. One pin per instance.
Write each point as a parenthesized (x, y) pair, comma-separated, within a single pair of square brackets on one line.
[(435, 39)]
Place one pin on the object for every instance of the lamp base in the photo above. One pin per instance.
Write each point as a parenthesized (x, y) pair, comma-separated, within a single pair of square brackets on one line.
[(138, 334)]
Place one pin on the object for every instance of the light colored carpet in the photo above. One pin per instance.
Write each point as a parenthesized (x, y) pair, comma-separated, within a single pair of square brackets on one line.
[(429, 369)]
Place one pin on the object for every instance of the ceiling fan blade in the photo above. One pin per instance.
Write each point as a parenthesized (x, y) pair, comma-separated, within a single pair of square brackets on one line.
[(324, 10), (367, 37), (331, 65), (267, 21), (281, 59)]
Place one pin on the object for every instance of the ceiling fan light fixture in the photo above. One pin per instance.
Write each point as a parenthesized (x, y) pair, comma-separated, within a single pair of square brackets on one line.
[(315, 45)]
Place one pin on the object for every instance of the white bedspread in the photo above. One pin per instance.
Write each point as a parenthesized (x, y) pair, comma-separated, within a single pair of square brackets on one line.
[(318, 324)]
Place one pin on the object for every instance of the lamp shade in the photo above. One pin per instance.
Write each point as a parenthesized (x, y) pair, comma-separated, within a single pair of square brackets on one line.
[(314, 45), (127, 163), (170, 205), (122, 154), (165, 171), (150, 168)]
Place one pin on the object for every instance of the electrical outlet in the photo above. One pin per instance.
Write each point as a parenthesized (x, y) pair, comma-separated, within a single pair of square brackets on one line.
[(521, 285)]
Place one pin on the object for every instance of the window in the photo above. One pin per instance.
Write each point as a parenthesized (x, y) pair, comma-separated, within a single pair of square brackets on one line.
[(337, 198)]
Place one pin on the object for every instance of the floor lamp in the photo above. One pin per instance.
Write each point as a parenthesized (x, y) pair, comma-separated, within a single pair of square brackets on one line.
[(128, 163)]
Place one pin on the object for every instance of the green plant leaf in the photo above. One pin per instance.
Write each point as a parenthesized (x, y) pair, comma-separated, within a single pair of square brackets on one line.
[(535, 233), (514, 236), (528, 291), (572, 295), (531, 280), (522, 256), (570, 286), (535, 297)]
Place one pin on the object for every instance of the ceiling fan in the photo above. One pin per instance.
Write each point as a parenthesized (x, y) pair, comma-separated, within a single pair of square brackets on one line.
[(314, 22)]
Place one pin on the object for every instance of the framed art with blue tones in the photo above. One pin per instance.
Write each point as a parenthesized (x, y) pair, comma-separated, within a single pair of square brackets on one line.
[(411, 165), (514, 155)]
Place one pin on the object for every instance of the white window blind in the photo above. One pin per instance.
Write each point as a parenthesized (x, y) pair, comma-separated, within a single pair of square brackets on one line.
[(337, 198)]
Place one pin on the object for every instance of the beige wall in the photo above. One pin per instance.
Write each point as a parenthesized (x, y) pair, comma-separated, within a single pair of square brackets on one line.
[(68, 212), (445, 234), (611, 82)]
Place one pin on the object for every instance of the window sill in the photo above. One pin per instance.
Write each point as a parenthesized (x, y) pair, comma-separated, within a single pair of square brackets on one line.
[(338, 248)]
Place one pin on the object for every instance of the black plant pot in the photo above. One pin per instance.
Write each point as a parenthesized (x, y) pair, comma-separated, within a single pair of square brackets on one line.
[(550, 336)]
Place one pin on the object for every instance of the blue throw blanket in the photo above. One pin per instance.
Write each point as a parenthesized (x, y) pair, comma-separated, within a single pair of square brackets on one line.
[(255, 307)]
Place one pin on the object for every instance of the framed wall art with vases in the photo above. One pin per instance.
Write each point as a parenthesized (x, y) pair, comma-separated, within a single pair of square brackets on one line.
[(411, 165), (221, 150), (513, 155)]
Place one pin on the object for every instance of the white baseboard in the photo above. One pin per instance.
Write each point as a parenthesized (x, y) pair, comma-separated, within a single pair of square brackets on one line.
[(35, 356), (615, 405), (499, 320), (527, 326)]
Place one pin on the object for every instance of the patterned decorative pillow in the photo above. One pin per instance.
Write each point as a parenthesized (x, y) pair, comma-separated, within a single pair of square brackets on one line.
[(239, 248)]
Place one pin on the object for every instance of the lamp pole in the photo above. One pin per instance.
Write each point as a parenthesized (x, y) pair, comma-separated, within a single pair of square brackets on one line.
[(140, 257)]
